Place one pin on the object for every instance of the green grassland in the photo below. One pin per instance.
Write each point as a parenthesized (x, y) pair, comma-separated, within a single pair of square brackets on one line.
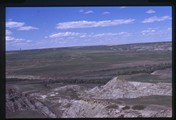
[(25, 114), (78, 64)]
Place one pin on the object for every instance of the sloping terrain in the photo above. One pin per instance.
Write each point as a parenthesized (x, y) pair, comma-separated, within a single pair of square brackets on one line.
[(132, 80), (117, 88), (91, 63), (108, 100)]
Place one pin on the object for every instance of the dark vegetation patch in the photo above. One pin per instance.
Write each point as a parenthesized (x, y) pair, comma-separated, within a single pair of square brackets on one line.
[(112, 106), (138, 107), (24, 114), (126, 108), (148, 100), (121, 116)]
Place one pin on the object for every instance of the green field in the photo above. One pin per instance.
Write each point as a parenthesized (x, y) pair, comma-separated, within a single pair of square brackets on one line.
[(87, 63)]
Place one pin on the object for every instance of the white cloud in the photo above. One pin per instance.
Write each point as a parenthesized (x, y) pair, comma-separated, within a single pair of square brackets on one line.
[(81, 10), (85, 35), (105, 13), (156, 19), (12, 39), (149, 31), (111, 34), (89, 24), (156, 31), (19, 26), (86, 12), (89, 12), (12, 24), (8, 32), (169, 29), (9, 38), (26, 28), (150, 11), (64, 34)]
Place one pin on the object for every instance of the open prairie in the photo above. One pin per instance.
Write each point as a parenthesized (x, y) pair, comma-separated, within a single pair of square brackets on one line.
[(88, 64)]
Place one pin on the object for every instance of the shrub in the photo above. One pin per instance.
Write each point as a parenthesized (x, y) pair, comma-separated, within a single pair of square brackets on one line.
[(121, 116), (138, 107), (126, 108), (112, 106)]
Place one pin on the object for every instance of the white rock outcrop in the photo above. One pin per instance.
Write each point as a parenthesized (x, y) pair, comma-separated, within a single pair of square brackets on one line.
[(117, 88)]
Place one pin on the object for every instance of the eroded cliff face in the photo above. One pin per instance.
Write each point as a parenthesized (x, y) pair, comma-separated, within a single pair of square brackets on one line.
[(16, 101), (117, 88), (74, 101), (97, 108)]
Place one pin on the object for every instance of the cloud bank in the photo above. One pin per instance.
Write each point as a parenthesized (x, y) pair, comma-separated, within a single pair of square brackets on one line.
[(19, 26), (86, 12), (91, 24), (150, 11), (156, 19), (86, 35), (105, 13)]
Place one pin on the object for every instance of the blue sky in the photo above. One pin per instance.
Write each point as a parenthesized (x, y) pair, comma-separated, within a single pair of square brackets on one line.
[(49, 27)]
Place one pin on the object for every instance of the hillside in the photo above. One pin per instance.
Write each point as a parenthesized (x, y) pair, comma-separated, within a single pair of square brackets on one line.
[(121, 81), (92, 63), (117, 98)]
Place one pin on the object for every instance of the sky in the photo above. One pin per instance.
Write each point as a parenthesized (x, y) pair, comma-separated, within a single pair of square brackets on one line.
[(53, 27)]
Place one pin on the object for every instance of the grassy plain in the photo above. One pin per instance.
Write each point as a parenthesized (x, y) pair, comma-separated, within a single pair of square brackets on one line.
[(79, 64)]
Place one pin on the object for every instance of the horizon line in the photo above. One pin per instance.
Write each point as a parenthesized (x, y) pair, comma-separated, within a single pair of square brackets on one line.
[(83, 46)]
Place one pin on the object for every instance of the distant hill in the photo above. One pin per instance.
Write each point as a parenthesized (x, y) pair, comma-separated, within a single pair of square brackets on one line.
[(100, 46)]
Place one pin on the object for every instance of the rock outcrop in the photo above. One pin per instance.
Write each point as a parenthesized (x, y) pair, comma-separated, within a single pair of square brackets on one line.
[(117, 88), (74, 101), (98, 108), (16, 101)]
